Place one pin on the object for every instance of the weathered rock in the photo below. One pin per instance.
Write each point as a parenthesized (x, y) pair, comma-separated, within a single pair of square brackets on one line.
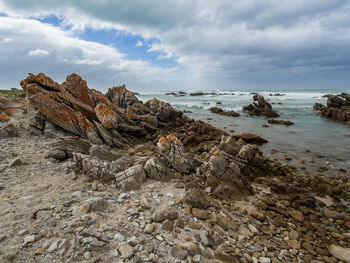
[(63, 148), (104, 152), (8, 131), (156, 168), (126, 251), (220, 111), (230, 145), (172, 150), (103, 170), (262, 108), (131, 178), (163, 111)]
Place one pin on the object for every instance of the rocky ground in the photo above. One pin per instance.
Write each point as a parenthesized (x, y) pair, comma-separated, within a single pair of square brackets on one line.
[(169, 199)]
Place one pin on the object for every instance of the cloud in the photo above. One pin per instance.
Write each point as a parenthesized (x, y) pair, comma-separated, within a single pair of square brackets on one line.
[(38, 52), (139, 44), (39, 47), (5, 40), (220, 43)]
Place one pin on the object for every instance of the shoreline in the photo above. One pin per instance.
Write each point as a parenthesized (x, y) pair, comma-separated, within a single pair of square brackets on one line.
[(180, 190)]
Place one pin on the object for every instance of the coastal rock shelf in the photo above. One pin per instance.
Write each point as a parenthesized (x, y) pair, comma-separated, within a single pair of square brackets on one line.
[(337, 108), (92, 177)]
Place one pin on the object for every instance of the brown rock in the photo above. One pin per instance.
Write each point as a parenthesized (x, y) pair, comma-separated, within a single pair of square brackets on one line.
[(297, 215), (200, 213), (293, 244)]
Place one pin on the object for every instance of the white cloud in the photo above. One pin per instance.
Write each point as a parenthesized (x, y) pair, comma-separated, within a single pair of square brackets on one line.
[(58, 53), (215, 42), (5, 40), (38, 52), (139, 44)]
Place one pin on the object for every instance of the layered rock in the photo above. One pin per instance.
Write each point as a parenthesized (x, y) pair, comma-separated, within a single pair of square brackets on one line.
[(260, 108), (220, 111), (117, 119), (337, 108)]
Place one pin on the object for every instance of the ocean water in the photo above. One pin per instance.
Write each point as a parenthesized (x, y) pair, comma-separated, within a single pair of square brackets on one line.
[(327, 141)]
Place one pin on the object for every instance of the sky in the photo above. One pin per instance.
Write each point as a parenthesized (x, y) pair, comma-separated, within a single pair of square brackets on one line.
[(186, 45)]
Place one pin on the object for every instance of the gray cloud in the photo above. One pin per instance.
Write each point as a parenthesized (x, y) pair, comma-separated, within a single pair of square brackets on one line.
[(216, 43)]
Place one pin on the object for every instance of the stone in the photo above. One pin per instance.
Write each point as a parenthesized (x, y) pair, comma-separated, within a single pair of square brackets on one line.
[(293, 244), (177, 252), (145, 203), (119, 237), (258, 215), (29, 239), (200, 213), (165, 214), (340, 252), (220, 111), (157, 169), (168, 225), (126, 251), (149, 228), (297, 215), (131, 178), (16, 162)]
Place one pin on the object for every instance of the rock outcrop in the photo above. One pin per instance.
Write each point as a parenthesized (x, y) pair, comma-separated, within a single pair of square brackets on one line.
[(220, 111), (261, 108), (281, 122), (337, 108)]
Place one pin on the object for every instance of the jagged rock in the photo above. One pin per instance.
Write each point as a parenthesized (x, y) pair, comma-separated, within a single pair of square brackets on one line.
[(281, 122), (131, 178), (100, 169), (220, 111), (338, 107), (156, 168), (247, 152), (262, 108), (65, 146), (121, 97), (104, 152), (226, 178), (250, 138), (230, 145), (162, 110), (172, 150)]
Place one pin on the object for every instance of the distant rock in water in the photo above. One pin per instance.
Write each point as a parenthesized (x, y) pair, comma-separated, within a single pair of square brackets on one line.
[(250, 138), (261, 108), (220, 111), (281, 122), (338, 107)]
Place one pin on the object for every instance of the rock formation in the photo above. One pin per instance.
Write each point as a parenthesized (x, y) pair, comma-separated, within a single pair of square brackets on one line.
[(281, 122), (337, 108), (220, 111), (261, 108)]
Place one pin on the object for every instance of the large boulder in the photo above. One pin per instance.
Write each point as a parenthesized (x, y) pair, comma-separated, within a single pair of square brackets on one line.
[(156, 168)]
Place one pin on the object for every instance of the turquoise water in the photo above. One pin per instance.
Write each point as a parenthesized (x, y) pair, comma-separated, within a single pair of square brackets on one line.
[(324, 138)]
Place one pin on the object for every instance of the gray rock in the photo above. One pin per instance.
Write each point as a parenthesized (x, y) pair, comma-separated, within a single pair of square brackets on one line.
[(126, 251), (178, 252)]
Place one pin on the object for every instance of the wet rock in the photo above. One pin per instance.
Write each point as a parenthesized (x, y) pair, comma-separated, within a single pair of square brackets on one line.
[(220, 111), (261, 108), (250, 138), (281, 122), (337, 108)]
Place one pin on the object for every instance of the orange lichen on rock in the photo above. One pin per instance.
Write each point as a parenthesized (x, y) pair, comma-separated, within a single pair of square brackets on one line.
[(66, 118), (79, 89), (105, 115), (217, 153), (4, 118), (101, 98), (41, 79), (131, 115), (170, 138)]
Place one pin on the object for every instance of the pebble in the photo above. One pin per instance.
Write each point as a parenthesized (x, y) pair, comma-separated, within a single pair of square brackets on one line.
[(126, 251), (119, 237), (29, 239)]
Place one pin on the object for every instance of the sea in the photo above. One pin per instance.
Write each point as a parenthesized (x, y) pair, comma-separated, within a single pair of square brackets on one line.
[(314, 140)]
